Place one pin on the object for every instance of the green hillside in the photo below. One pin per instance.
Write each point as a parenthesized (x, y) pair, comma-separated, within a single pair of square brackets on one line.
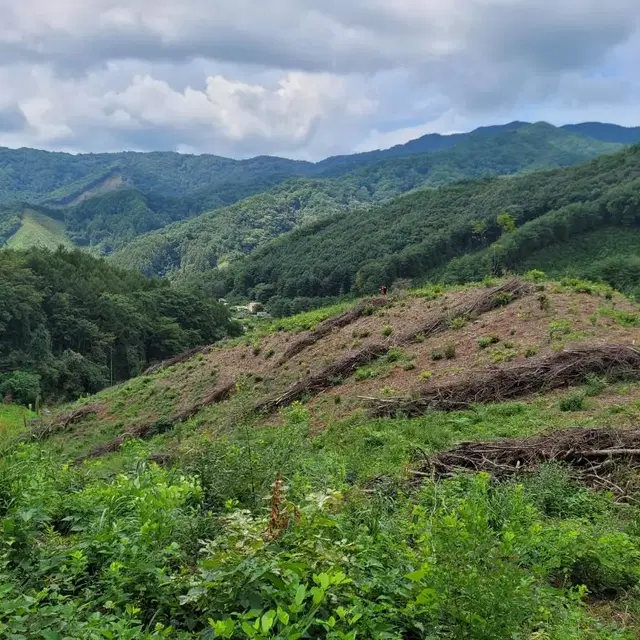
[(416, 235), (174, 506), (38, 230), (225, 235), (216, 238)]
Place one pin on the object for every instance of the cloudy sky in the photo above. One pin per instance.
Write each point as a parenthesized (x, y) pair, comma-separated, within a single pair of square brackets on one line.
[(306, 78)]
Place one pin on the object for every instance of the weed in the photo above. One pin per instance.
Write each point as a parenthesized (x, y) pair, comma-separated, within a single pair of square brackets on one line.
[(503, 298), (387, 330), (458, 322), (269, 353), (437, 354), (409, 366), (450, 351), (544, 302), (559, 329), (487, 341), (503, 355), (425, 375), (535, 275), (594, 385), (530, 352), (573, 402), (508, 344), (623, 318)]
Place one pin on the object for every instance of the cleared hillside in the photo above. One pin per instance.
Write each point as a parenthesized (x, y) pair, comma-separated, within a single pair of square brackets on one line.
[(38, 230), (195, 500)]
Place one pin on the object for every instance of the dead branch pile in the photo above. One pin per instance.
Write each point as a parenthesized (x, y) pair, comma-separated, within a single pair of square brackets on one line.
[(162, 424), (484, 302), (542, 374), (329, 325), (325, 378), (78, 414), (593, 451), (41, 430), (181, 357)]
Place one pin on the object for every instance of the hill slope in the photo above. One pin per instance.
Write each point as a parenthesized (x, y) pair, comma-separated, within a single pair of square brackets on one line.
[(192, 511), (174, 186), (39, 230), (201, 243), (415, 235)]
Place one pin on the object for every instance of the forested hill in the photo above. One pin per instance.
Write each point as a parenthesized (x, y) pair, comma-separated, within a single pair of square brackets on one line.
[(418, 234), (214, 238), (70, 323), (106, 200)]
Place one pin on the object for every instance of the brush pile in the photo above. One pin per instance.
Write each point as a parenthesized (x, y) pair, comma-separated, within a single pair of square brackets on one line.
[(482, 303), (542, 374), (328, 377), (595, 453), (363, 308), (181, 357)]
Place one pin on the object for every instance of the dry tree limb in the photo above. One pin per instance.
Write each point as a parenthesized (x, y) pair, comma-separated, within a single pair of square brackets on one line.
[(329, 325), (181, 357), (494, 385), (485, 301), (577, 447), (326, 378)]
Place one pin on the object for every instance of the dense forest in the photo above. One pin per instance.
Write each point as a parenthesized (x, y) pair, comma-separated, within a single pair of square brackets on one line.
[(418, 234), (70, 323), (108, 200), (215, 237)]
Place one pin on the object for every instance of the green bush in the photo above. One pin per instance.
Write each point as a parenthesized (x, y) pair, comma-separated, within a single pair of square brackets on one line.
[(573, 402), (23, 387), (450, 351), (387, 330)]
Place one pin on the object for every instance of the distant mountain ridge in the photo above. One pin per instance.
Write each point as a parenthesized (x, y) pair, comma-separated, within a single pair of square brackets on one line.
[(107, 200)]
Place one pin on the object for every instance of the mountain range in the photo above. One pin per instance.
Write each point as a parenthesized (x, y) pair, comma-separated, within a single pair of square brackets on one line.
[(169, 214)]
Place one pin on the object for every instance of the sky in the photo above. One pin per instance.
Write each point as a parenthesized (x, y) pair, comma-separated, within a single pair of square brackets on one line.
[(306, 78)]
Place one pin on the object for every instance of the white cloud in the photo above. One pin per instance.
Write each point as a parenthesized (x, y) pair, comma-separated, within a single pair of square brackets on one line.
[(305, 77)]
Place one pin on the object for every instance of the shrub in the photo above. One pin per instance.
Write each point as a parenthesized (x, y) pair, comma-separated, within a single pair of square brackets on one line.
[(503, 355), (22, 386), (530, 352), (487, 341), (559, 328), (458, 322), (544, 302), (437, 354), (269, 353), (573, 402), (387, 331), (535, 275), (450, 351)]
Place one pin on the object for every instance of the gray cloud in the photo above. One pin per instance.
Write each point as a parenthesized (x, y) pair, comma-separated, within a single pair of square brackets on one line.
[(304, 78)]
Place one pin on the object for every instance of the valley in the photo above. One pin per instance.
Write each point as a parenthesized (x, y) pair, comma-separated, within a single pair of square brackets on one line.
[(431, 432)]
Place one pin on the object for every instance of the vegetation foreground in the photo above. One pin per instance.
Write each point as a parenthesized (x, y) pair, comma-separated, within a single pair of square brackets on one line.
[(314, 521)]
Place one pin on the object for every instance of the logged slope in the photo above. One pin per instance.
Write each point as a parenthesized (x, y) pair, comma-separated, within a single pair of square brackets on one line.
[(305, 522), (39, 230), (417, 234), (221, 236)]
